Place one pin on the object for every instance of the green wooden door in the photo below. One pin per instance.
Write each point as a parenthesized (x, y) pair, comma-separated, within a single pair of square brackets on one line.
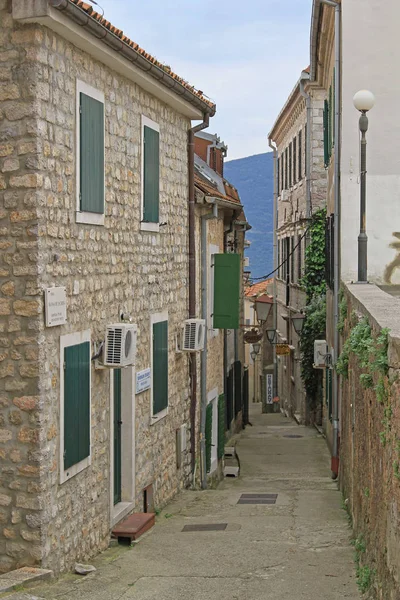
[(117, 435)]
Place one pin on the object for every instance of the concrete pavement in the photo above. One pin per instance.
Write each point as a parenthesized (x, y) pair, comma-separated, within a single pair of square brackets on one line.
[(297, 548)]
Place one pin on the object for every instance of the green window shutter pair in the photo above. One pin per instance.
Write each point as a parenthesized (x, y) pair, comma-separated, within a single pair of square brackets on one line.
[(333, 110), (226, 291), (160, 366), (76, 403), (91, 155), (221, 426), (151, 175), (208, 432), (328, 392)]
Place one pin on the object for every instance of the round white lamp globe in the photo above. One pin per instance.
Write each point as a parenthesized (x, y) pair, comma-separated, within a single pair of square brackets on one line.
[(364, 100)]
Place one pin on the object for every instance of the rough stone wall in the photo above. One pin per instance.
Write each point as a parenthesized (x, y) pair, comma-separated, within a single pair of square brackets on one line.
[(22, 83), (368, 477), (105, 270), (215, 351)]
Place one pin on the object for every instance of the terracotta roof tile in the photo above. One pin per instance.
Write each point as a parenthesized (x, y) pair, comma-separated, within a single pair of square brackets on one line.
[(257, 288), (119, 33)]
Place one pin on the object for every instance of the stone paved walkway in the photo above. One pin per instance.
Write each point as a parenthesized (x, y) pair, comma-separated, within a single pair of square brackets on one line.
[(297, 548)]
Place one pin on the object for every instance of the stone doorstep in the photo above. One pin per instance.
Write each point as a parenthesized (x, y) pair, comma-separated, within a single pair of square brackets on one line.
[(230, 451), (133, 527), (23, 576), (231, 471)]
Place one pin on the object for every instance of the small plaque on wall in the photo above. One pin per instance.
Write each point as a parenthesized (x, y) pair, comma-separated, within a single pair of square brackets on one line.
[(55, 302)]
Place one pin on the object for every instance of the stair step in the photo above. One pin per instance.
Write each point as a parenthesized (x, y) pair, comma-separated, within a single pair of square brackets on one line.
[(131, 528), (230, 451), (231, 471)]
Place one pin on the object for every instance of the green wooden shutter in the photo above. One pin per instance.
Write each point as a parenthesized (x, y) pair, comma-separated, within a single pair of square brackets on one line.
[(91, 155), (333, 110), (76, 403), (226, 291), (209, 420), (151, 184), (326, 133), (221, 426), (160, 366)]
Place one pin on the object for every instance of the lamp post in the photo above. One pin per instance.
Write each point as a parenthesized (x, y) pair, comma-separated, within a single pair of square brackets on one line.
[(298, 322), (363, 101), (254, 354)]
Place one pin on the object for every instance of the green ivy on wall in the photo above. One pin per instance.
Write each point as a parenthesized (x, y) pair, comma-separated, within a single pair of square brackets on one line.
[(313, 282)]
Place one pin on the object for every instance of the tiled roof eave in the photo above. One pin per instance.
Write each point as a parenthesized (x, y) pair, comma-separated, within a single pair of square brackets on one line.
[(85, 16)]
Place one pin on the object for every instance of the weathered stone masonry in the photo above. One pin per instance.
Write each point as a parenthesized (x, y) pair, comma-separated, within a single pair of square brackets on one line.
[(105, 269)]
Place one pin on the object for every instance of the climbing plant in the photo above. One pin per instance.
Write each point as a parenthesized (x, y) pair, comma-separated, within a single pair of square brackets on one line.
[(314, 285)]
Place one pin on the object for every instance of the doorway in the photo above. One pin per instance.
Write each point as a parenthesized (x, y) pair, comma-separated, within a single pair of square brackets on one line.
[(117, 436)]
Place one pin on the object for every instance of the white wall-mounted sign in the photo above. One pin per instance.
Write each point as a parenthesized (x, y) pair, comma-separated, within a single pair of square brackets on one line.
[(270, 389), (55, 302), (143, 380)]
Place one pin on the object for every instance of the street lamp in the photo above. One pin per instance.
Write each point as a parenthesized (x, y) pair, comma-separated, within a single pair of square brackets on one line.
[(363, 101), (256, 347), (298, 322), (271, 335), (263, 305)]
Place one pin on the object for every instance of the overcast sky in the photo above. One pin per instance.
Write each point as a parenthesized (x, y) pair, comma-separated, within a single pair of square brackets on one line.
[(244, 55)]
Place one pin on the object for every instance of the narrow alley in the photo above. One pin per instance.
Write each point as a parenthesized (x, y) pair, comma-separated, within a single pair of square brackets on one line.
[(298, 547)]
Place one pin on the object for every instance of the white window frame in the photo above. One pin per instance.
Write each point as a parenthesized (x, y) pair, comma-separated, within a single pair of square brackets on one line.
[(156, 318), (212, 397), (88, 218), (73, 339), (155, 227), (211, 332)]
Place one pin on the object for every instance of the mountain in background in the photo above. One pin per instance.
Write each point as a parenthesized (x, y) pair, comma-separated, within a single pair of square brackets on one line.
[(253, 178)]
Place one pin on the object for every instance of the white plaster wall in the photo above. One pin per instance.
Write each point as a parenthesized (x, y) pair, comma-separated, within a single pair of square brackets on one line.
[(371, 51)]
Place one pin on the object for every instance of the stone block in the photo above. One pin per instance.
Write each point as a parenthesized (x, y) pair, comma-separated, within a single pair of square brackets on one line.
[(8, 288), (26, 308), (28, 502), (27, 435), (5, 500), (31, 180), (8, 91), (26, 403), (10, 164)]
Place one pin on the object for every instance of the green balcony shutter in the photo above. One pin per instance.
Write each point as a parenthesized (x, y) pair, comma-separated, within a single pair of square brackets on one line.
[(76, 403), (333, 110), (151, 184), (160, 366), (221, 426), (91, 155), (226, 291), (209, 420)]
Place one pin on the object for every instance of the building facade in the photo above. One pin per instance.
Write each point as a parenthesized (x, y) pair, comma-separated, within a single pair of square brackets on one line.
[(300, 188), (94, 207)]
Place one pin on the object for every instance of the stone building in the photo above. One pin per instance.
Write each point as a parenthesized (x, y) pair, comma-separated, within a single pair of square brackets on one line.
[(220, 232), (95, 178), (300, 184)]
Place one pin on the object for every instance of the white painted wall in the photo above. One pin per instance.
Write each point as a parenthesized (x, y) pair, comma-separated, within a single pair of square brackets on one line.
[(371, 53)]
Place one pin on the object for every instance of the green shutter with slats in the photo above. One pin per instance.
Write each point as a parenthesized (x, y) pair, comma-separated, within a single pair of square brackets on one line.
[(160, 366), (221, 426), (333, 110), (76, 403), (226, 291), (151, 174), (326, 133), (91, 155), (209, 420)]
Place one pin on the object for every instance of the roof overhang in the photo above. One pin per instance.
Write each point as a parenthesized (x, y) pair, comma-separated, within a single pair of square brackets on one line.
[(315, 18), (111, 51)]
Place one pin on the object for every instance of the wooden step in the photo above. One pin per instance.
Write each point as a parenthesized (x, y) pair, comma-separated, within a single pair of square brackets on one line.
[(131, 528)]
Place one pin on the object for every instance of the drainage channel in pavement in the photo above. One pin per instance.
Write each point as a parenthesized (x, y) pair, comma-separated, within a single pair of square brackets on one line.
[(257, 499)]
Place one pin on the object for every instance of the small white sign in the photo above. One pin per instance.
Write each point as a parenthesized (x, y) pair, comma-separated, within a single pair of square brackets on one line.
[(55, 301), (270, 390), (143, 380)]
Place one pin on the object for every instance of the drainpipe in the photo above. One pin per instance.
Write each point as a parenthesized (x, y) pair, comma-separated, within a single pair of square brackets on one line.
[(203, 363), (275, 258), (336, 264), (192, 288), (305, 77)]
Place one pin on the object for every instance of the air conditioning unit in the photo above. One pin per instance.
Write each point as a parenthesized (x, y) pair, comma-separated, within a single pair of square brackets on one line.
[(285, 195), (320, 354), (193, 331), (120, 345), (246, 261)]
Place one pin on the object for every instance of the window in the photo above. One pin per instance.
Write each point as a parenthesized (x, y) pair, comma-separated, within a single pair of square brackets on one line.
[(159, 366), (300, 158), (150, 175), (326, 120), (279, 259), (286, 169), (290, 165), (282, 171), (75, 360), (294, 160), (89, 154), (305, 148), (299, 257), (212, 250), (292, 259), (211, 431), (277, 177)]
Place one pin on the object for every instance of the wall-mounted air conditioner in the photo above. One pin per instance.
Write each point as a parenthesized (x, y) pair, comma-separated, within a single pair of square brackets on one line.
[(193, 331), (246, 261), (320, 354), (285, 195), (120, 345)]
